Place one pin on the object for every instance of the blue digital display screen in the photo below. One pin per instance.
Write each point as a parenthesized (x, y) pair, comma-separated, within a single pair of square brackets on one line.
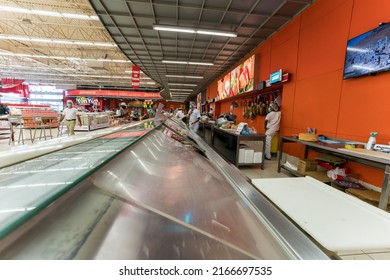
[(275, 77)]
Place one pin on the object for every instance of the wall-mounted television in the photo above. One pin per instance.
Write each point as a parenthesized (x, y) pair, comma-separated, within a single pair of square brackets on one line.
[(368, 53)]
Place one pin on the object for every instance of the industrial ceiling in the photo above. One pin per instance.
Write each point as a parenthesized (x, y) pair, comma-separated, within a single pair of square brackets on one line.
[(93, 44)]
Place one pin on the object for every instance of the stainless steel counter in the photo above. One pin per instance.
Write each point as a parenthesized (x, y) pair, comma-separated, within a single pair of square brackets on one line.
[(338, 150), (141, 194)]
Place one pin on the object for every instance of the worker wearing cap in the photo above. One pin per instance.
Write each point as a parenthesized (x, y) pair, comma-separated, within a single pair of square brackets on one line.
[(70, 115), (271, 125), (194, 117)]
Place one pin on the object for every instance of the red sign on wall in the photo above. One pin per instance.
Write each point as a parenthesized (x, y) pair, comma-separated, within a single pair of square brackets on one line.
[(114, 93), (135, 76)]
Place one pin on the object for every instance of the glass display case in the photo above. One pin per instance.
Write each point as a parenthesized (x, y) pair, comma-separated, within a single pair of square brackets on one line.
[(152, 190), (92, 121)]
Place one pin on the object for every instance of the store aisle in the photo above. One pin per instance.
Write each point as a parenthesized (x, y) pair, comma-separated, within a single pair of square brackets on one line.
[(4, 146), (270, 171)]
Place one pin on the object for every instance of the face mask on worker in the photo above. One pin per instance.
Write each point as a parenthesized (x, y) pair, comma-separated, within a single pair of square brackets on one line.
[(269, 110), (69, 105), (190, 106)]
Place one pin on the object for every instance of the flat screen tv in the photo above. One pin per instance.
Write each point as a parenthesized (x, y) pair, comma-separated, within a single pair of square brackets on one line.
[(368, 53)]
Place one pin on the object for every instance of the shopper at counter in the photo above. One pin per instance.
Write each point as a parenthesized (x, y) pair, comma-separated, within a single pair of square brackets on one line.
[(179, 114), (194, 118), (271, 125), (70, 115)]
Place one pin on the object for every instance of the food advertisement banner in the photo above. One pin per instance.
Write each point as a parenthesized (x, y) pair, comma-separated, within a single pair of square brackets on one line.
[(224, 87), (238, 81)]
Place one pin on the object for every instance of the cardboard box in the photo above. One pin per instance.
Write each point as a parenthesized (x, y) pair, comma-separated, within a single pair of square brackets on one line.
[(319, 175), (241, 155), (308, 137), (249, 155), (257, 157), (305, 165)]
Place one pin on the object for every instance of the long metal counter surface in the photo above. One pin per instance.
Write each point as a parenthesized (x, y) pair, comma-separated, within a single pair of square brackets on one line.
[(139, 194)]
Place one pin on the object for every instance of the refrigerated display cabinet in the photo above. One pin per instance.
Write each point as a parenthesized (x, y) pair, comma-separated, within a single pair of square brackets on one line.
[(148, 190)]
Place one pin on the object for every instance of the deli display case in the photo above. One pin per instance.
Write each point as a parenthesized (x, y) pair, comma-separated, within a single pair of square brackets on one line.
[(92, 121), (148, 190)]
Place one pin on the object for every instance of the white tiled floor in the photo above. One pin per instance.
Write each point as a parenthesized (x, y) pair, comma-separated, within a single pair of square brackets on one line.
[(252, 172)]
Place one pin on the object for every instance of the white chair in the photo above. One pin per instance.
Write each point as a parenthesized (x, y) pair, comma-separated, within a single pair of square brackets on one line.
[(16, 126)]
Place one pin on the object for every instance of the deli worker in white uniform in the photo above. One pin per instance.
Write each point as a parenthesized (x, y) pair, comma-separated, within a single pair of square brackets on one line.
[(194, 117), (271, 125), (70, 115)]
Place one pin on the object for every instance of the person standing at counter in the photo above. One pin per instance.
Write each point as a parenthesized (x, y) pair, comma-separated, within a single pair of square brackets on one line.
[(179, 114), (70, 115), (194, 117), (271, 125)]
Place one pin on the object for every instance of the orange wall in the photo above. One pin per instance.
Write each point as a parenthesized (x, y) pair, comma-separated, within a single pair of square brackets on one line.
[(312, 48)]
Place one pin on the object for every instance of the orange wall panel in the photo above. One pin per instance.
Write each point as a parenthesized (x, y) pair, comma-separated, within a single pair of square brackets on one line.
[(365, 106), (367, 15), (320, 10), (264, 61), (312, 48), (322, 45), (285, 56), (286, 33), (212, 90), (287, 107), (317, 103)]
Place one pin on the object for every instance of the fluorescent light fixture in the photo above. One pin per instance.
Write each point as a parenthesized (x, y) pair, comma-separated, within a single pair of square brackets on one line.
[(180, 76), (172, 28), (56, 41), (217, 33), (187, 85), (61, 57), (188, 62), (181, 89), (46, 13), (174, 62)]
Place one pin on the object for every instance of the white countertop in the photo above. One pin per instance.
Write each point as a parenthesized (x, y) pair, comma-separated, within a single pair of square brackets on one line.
[(336, 220)]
